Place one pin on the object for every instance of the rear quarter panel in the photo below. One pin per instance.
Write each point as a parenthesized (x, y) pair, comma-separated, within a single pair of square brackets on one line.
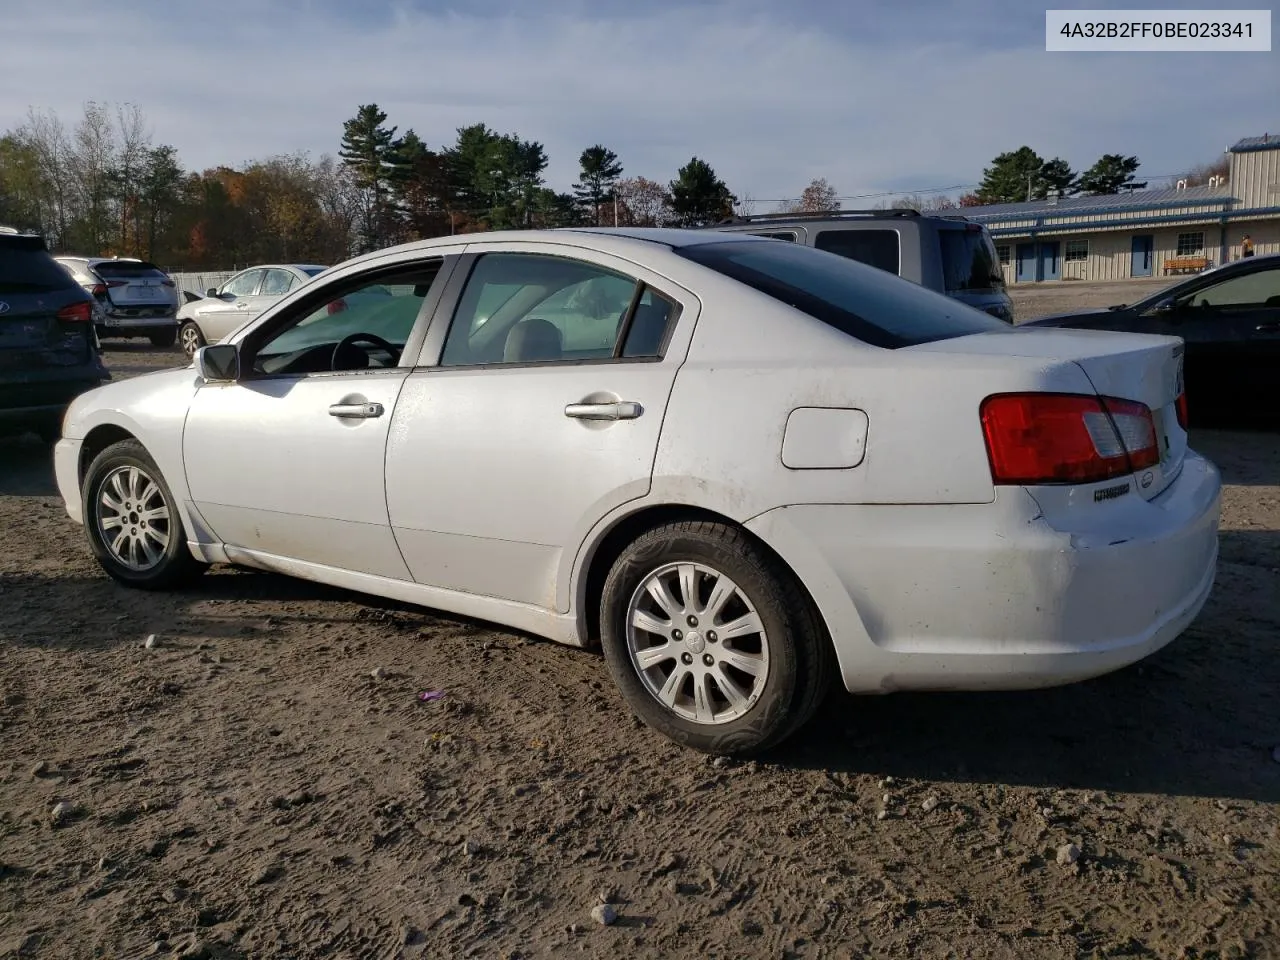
[(752, 362)]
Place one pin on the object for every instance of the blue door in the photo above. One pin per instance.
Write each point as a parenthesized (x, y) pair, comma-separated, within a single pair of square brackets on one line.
[(1026, 271), (1142, 260), (1050, 269)]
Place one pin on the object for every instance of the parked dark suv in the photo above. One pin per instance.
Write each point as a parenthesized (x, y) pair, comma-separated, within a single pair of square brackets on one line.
[(945, 252), (48, 348)]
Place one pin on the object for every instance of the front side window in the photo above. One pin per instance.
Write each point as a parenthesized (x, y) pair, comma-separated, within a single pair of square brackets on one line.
[(245, 285), (876, 248), (867, 304), (529, 308), (359, 327), (1258, 289), (276, 283), (1191, 244)]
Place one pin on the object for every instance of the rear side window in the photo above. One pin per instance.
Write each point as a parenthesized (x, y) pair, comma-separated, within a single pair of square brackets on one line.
[(876, 248), (128, 270), (778, 235), (861, 301), (970, 262), (26, 267)]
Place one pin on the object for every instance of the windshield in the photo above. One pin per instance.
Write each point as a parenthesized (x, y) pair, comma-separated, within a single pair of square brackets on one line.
[(26, 267), (969, 261), (865, 302)]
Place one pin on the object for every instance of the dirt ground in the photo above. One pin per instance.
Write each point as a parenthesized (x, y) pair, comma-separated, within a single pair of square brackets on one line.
[(247, 787)]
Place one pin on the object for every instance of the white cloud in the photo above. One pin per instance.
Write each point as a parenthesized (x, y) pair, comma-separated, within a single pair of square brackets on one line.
[(768, 102)]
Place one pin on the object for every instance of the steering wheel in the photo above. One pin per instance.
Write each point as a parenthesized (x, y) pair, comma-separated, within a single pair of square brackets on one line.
[(344, 350)]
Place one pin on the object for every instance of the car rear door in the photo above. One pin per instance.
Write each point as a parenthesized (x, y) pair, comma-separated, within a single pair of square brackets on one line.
[(535, 411)]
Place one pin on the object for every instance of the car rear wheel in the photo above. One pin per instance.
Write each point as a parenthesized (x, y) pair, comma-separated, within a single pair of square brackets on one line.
[(190, 337), (132, 521), (165, 339), (711, 641)]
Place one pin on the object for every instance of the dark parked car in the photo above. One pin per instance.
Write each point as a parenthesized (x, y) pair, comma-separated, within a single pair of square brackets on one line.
[(1230, 320), (48, 348)]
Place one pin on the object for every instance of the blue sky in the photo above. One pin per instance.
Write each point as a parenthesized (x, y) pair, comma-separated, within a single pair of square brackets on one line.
[(875, 96)]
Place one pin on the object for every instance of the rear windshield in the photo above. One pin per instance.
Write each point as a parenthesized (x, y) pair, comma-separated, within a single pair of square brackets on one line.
[(864, 302), (969, 261), (876, 248), (127, 270), (26, 267)]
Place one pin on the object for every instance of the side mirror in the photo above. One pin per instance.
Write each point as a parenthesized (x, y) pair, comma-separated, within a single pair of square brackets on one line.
[(211, 292), (218, 363)]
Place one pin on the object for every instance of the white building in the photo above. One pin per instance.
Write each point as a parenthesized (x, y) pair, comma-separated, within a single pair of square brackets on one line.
[(1143, 233)]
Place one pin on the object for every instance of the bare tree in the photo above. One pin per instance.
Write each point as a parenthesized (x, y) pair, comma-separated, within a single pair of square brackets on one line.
[(1201, 172), (642, 203), (128, 172), (744, 206), (45, 135), (93, 158), (340, 201)]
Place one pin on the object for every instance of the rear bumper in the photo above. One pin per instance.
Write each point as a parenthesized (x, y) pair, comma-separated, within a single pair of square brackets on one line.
[(992, 596)]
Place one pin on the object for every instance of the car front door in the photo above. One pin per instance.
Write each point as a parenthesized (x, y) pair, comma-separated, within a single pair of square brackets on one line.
[(537, 411), (287, 461), (229, 310), (1232, 330)]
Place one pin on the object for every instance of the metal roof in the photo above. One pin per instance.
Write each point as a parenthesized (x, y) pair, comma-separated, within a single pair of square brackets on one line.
[(1264, 142), (1130, 200)]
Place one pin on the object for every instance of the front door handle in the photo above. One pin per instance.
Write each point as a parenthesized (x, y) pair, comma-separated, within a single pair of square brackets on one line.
[(356, 411), (1268, 327), (241, 305), (622, 410)]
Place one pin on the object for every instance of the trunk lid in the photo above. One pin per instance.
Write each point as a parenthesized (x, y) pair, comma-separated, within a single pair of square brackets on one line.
[(1128, 366), (136, 283)]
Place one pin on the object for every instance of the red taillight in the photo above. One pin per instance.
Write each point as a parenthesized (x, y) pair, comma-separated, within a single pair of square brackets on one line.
[(117, 283), (1183, 418), (80, 312), (1035, 438), (99, 290)]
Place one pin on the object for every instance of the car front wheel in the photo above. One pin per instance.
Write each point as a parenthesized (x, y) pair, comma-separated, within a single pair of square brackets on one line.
[(711, 641), (190, 337), (131, 518)]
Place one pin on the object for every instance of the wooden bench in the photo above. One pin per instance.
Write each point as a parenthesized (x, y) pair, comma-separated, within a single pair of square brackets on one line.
[(1182, 264)]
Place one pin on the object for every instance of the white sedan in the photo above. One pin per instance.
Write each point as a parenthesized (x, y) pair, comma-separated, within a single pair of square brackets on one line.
[(740, 466)]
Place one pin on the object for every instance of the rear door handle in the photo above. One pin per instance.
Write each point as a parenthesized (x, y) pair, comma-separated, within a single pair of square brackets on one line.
[(356, 411), (622, 410)]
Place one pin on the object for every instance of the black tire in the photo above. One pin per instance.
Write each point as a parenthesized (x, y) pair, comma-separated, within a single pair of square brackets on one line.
[(175, 565), (799, 659), (164, 339), (190, 337)]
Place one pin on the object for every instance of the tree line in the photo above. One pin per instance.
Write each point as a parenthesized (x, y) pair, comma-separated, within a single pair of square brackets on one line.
[(103, 186)]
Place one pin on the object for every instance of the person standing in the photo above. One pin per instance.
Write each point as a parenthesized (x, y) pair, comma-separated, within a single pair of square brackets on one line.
[(1246, 246)]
